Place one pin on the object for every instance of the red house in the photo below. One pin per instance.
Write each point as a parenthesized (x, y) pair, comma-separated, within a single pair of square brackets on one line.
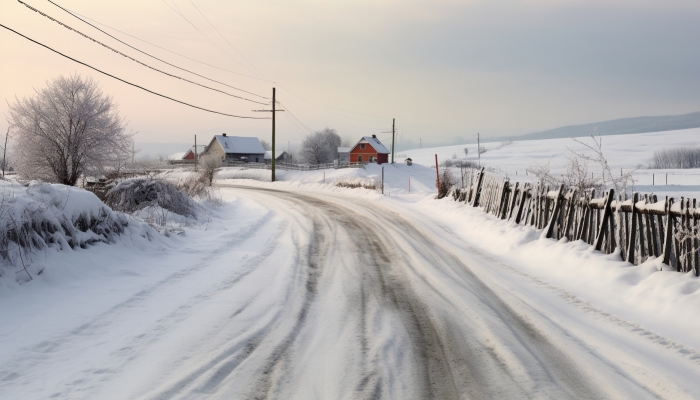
[(369, 149), (189, 155)]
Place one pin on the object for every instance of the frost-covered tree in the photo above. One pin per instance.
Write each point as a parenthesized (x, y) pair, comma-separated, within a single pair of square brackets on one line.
[(67, 129), (209, 164), (321, 147), (265, 144)]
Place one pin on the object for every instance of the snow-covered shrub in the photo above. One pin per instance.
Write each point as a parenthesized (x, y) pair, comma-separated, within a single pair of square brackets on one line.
[(42, 215), (447, 181), (136, 194), (355, 183)]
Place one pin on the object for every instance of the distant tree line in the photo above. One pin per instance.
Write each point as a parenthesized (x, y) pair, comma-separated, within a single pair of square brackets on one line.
[(677, 157)]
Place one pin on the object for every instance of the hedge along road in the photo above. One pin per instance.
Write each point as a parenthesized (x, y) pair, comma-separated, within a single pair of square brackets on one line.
[(381, 309)]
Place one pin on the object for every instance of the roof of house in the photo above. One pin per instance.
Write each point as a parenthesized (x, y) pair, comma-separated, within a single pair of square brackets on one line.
[(344, 149), (176, 156), (375, 143), (268, 154), (240, 144)]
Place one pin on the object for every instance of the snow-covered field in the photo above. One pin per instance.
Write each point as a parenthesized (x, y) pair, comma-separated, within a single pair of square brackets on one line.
[(303, 289), (626, 152)]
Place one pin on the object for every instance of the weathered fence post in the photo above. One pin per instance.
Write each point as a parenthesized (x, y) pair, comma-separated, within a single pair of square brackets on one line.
[(555, 212), (632, 243), (514, 195), (523, 197), (607, 211), (477, 192), (668, 237)]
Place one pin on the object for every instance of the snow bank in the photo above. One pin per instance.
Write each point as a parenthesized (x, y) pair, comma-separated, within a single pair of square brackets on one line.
[(44, 217)]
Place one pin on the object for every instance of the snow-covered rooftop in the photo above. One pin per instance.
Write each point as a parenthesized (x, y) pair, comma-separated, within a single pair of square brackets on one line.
[(376, 144), (240, 144), (177, 156), (344, 149)]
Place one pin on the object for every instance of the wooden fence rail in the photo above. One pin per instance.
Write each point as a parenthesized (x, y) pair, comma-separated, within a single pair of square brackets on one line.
[(641, 227)]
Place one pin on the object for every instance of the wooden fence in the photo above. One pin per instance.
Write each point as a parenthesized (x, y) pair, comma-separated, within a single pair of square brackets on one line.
[(293, 167), (642, 227)]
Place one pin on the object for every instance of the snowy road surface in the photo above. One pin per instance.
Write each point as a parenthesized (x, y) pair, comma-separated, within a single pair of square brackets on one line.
[(324, 296)]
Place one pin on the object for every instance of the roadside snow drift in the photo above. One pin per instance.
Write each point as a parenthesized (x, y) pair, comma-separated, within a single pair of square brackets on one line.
[(43, 216)]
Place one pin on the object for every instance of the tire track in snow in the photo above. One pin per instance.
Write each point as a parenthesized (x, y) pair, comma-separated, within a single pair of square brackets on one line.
[(435, 377), (13, 370)]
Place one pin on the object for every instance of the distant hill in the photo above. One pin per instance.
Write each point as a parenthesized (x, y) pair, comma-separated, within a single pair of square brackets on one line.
[(621, 126)]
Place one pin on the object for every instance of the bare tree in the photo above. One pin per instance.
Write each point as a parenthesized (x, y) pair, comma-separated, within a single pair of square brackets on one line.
[(67, 129), (209, 164), (321, 147)]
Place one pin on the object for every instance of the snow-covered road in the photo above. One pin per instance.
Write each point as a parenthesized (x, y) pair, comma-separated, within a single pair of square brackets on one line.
[(323, 296)]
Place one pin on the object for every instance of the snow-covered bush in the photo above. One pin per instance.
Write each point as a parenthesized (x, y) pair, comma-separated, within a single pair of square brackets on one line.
[(136, 194), (355, 183), (447, 181), (42, 215)]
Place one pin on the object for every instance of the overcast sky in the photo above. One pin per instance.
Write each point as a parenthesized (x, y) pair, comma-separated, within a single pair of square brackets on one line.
[(444, 69)]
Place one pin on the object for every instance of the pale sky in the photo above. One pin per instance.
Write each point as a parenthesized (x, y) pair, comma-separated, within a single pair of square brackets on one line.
[(443, 69)]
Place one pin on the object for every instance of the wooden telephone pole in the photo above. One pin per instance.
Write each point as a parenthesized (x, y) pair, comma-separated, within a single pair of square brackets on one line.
[(393, 137), (273, 111)]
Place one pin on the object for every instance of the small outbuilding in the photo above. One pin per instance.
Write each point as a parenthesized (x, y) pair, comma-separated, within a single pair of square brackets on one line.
[(409, 161), (344, 155), (284, 157), (369, 149), (236, 148)]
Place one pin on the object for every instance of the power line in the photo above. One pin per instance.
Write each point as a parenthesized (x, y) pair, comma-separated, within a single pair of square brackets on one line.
[(131, 58), (294, 116), (177, 11), (154, 57), (127, 82), (312, 102), (76, 14), (223, 37)]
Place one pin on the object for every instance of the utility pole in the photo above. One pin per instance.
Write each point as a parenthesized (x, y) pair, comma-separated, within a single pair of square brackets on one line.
[(393, 139), (195, 153), (273, 111)]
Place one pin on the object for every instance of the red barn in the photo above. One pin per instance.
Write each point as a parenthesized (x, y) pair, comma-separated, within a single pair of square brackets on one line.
[(369, 149), (189, 155)]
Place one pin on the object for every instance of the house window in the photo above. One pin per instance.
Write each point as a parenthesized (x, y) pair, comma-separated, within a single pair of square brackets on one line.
[(362, 146), (359, 158)]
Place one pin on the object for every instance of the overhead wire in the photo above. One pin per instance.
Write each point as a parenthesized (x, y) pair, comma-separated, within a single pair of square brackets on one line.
[(131, 58), (177, 11), (127, 82), (224, 37), (152, 56), (294, 116)]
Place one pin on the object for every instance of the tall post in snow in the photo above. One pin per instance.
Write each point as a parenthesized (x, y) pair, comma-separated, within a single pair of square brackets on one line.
[(393, 138), (437, 175), (273, 136), (478, 148)]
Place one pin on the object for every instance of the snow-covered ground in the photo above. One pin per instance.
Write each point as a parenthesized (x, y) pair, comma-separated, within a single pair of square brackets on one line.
[(304, 289), (308, 290), (626, 152)]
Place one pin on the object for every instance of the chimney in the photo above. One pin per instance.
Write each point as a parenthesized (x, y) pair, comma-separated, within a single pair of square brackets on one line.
[(374, 136), (223, 134)]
